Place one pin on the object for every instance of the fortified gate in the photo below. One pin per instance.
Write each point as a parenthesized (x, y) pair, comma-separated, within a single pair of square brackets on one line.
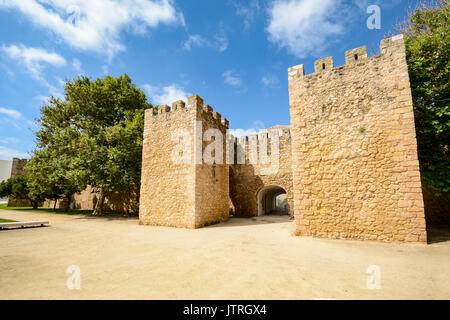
[(346, 168)]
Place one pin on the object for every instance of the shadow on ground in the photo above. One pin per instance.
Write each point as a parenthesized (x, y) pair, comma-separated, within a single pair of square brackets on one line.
[(438, 233), (109, 217), (247, 221), (23, 228)]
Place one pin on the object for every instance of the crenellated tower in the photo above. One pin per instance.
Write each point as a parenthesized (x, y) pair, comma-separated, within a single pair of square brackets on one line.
[(178, 187), (354, 151), (347, 166)]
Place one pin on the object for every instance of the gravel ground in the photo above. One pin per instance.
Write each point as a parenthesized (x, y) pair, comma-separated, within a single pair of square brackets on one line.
[(240, 259)]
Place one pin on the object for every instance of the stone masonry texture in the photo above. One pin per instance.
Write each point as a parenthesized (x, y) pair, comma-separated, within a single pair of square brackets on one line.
[(249, 179), (85, 200), (126, 202), (191, 194), (347, 163), (354, 152), (17, 170)]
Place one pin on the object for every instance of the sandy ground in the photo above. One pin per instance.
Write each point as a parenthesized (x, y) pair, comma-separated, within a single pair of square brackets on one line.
[(239, 259)]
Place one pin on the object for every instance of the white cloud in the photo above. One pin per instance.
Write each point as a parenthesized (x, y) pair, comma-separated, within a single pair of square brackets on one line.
[(306, 27), (96, 24), (7, 70), (11, 113), (257, 126), (166, 95), (242, 132), (55, 90), (34, 58), (194, 40), (363, 4), (43, 99), (270, 81), (9, 140), (219, 42), (247, 12), (7, 153), (15, 119), (76, 64), (231, 78)]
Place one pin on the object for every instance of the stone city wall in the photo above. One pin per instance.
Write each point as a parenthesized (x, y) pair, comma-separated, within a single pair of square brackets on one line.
[(17, 170), (354, 152), (188, 194), (125, 201), (249, 178)]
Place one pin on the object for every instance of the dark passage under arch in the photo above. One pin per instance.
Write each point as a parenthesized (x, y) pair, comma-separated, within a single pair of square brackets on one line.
[(272, 200)]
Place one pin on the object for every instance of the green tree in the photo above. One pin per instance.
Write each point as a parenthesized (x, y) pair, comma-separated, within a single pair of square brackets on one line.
[(94, 136), (427, 40), (51, 172), (5, 188), (19, 188)]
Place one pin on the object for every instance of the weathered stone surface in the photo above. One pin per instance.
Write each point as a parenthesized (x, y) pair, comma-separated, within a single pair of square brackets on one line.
[(354, 153), (348, 162), (17, 170), (126, 202), (249, 179), (188, 195)]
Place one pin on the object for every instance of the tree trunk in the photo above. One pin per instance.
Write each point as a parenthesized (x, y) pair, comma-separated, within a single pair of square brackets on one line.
[(35, 205), (54, 206), (98, 210), (69, 198)]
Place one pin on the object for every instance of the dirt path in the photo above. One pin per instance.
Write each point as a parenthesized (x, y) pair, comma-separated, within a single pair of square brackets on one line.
[(240, 259)]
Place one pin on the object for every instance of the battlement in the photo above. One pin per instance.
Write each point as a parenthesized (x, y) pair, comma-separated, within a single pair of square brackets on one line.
[(177, 188), (353, 57), (347, 162), (18, 167), (263, 134), (249, 148), (194, 104), (177, 105), (349, 123)]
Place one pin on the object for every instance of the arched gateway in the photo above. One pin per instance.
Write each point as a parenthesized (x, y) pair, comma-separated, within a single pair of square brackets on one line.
[(347, 163), (272, 200)]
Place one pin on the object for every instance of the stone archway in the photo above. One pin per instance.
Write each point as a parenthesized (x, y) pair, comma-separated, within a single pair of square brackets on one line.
[(272, 200)]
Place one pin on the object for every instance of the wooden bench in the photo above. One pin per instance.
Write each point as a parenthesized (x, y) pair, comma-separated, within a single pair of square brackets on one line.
[(23, 224)]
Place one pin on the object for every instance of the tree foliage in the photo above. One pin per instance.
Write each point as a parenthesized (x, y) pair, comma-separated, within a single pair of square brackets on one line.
[(52, 173), (427, 40), (19, 188), (93, 137)]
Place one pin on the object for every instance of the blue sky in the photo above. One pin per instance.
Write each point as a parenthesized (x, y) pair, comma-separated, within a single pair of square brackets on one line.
[(234, 54)]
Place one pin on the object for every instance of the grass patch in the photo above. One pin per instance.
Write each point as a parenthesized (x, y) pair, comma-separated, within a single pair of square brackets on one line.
[(75, 212), (6, 220)]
